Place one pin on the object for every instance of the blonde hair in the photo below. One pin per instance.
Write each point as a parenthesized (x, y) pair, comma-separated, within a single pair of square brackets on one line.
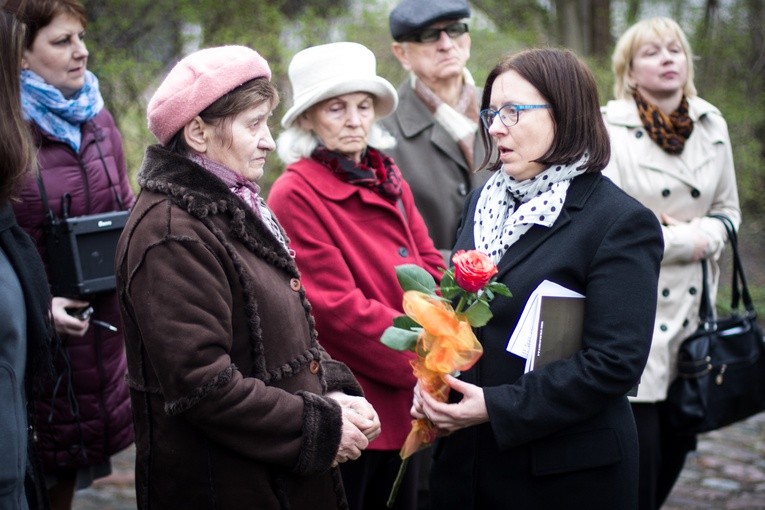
[(636, 36)]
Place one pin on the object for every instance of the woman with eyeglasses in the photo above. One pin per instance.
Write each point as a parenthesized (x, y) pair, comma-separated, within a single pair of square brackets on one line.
[(672, 152), (351, 219), (561, 435), (84, 412)]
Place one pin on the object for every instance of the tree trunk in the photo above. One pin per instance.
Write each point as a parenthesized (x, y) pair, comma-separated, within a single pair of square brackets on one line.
[(569, 25), (600, 27)]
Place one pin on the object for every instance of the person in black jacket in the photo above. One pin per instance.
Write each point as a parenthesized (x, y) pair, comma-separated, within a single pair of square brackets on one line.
[(561, 436), (25, 327)]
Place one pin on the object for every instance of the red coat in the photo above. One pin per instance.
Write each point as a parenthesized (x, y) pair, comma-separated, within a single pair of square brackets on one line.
[(348, 240)]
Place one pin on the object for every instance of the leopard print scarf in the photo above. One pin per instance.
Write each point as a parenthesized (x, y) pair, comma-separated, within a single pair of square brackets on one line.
[(668, 131)]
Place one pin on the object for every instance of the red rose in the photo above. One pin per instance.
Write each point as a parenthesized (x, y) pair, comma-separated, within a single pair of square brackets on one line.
[(473, 269)]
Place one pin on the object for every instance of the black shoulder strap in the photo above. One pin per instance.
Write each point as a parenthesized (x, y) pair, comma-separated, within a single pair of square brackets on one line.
[(44, 197), (739, 287)]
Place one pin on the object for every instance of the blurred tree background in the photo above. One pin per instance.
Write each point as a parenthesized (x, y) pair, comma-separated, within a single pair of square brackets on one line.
[(133, 43)]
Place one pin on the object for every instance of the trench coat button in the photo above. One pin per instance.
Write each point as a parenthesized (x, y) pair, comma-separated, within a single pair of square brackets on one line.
[(665, 192), (403, 252), (295, 284), (663, 327), (314, 366), (462, 189), (665, 292), (638, 134), (692, 291), (695, 193), (685, 323)]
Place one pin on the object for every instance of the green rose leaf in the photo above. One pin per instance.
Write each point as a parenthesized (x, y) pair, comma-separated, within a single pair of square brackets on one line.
[(499, 288), (399, 339), (447, 279), (450, 292), (413, 277), (478, 314), (406, 322)]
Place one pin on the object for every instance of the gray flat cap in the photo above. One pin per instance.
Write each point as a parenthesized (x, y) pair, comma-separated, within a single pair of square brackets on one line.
[(413, 15)]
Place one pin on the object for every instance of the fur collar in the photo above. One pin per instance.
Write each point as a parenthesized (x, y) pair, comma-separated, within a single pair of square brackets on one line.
[(203, 195)]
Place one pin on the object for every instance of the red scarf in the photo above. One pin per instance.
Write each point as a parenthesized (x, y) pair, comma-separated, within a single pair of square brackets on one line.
[(375, 171)]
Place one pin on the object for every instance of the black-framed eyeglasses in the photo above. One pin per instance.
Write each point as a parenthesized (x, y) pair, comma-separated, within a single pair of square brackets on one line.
[(430, 35), (508, 114)]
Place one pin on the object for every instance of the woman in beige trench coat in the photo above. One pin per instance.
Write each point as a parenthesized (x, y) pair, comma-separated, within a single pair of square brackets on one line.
[(671, 151)]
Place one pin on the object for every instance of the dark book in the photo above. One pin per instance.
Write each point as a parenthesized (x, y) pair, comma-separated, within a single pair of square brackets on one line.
[(559, 333)]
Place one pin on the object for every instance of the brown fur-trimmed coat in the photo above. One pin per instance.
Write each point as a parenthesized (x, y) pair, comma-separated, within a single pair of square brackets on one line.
[(225, 371)]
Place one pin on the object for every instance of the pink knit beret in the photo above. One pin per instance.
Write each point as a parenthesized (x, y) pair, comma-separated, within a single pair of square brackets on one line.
[(198, 81)]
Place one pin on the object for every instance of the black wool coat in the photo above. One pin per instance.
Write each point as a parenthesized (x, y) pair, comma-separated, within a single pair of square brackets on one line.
[(562, 436)]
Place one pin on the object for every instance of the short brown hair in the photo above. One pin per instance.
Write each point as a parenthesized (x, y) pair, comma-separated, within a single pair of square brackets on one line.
[(38, 14), (222, 112), (568, 85)]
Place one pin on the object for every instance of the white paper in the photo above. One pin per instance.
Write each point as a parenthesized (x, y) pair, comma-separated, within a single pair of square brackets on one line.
[(525, 333)]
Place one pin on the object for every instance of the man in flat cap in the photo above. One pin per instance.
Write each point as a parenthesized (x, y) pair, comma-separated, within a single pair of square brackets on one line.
[(436, 122)]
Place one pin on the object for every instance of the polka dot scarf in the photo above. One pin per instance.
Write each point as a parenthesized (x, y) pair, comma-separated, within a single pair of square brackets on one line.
[(507, 208)]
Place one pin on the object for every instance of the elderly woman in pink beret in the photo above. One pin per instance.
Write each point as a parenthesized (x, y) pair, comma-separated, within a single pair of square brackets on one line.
[(235, 403)]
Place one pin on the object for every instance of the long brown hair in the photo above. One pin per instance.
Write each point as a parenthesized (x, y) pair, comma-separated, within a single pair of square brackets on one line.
[(16, 149)]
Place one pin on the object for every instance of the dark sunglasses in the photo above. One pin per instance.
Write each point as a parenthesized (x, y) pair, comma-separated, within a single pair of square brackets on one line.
[(430, 35)]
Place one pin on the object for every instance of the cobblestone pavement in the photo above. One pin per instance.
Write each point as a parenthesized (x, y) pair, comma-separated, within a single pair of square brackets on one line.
[(727, 472)]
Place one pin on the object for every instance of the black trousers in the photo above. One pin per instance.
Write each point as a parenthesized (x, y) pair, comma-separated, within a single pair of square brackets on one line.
[(369, 479), (662, 454)]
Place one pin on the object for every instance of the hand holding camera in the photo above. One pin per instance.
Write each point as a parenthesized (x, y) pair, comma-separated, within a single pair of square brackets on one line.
[(70, 316), (73, 317)]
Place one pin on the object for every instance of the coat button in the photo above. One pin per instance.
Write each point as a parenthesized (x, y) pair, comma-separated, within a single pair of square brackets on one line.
[(663, 327), (638, 134), (695, 193), (685, 323), (403, 252), (665, 192), (692, 291), (295, 284), (665, 292), (462, 189), (314, 366)]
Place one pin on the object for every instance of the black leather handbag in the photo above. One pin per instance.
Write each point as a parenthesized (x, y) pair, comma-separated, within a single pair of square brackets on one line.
[(721, 367)]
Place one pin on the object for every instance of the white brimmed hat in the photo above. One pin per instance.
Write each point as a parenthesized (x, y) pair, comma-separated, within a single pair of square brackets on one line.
[(330, 70)]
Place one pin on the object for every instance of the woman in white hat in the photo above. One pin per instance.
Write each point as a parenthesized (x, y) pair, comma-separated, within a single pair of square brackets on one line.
[(351, 219)]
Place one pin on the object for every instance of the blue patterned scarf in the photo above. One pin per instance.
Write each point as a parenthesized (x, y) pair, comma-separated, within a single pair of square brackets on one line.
[(56, 115)]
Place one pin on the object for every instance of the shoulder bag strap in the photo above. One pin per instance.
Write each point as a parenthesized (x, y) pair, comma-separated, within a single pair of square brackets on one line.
[(706, 313), (739, 287), (117, 197), (44, 198)]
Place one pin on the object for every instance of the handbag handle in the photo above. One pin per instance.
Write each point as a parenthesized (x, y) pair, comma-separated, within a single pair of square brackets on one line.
[(739, 287), (706, 313)]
